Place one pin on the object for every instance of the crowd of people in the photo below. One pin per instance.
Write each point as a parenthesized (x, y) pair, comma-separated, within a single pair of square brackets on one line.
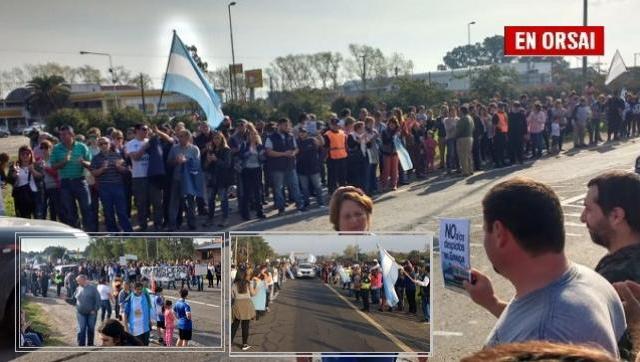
[(365, 283), (168, 175), (253, 289), (103, 289)]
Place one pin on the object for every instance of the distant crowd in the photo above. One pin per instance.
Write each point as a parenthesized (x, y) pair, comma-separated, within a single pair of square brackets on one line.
[(163, 177)]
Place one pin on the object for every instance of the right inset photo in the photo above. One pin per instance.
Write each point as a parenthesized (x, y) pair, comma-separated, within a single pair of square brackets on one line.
[(309, 293)]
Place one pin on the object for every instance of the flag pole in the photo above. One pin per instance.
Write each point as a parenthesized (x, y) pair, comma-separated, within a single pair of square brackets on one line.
[(164, 80)]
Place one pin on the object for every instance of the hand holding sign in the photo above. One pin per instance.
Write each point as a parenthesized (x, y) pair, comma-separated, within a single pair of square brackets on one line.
[(454, 251)]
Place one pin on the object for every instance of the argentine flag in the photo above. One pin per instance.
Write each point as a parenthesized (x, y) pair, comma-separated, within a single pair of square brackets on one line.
[(184, 77), (389, 268)]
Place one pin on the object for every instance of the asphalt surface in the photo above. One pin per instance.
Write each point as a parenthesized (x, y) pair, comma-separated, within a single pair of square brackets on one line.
[(460, 326), (309, 316)]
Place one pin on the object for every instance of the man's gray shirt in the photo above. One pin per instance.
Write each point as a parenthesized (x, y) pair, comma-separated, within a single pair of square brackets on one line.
[(581, 307), (87, 299)]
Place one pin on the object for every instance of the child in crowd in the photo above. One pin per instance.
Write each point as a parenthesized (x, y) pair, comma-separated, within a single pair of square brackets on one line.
[(429, 145), (169, 323)]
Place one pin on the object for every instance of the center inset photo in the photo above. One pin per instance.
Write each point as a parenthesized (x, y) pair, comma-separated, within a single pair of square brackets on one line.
[(329, 293)]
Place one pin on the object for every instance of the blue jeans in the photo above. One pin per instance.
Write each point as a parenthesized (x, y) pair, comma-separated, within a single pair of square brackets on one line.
[(224, 201), (314, 180), (425, 309), (86, 328), (291, 178), (114, 203), (73, 190), (375, 296), (537, 143), (105, 309)]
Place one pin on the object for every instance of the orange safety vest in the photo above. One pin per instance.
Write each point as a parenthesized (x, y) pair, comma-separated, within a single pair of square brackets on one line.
[(503, 124), (337, 144)]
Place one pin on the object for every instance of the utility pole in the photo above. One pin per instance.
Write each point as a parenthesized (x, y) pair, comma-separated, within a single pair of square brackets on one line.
[(364, 73), (232, 70), (584, 22), (144, 107)]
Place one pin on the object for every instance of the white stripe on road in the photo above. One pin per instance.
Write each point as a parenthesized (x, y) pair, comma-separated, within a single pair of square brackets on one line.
[(576, 206), (447, 334), (393, 338), (571, 200), (574, 235), (573, 214), (194, 302), (574, 224)]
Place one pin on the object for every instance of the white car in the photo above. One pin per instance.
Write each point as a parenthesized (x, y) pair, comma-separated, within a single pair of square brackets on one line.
[(306, 271)]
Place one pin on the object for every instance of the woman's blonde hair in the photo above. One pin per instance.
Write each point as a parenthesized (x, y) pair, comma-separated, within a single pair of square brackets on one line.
[(342, 194)]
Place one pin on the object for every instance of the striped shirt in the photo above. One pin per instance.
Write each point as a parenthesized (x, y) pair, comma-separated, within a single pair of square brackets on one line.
[(111, 175)]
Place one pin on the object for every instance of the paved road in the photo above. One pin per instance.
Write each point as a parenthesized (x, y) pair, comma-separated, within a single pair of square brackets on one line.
[(460, 326), (309, 316)]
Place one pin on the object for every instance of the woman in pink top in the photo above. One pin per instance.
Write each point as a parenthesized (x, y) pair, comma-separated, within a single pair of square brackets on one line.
[(536, 122), (169, 323)]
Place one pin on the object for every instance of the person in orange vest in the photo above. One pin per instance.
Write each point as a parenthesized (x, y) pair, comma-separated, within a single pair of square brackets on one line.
[(335, 141), (500, 120)]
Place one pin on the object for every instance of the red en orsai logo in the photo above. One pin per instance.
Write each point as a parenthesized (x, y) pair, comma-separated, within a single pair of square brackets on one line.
[(553, 40)]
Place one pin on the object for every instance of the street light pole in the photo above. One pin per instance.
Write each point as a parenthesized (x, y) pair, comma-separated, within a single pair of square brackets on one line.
[(232, 75), (584, 23), (469, 32), (469, 49), (113, 75)]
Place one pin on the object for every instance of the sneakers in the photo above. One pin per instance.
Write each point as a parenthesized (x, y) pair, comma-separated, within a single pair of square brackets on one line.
[(245, 347)]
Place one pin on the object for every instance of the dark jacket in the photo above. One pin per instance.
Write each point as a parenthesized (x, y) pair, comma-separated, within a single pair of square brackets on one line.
[(221, 170)]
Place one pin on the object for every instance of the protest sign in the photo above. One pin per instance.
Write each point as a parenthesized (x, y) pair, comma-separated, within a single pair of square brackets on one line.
[(122, 261), (454, 252), (344, 277), (201, 269), (164, 273)]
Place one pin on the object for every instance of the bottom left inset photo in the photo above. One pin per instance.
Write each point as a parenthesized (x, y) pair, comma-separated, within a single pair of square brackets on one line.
[(120, 291)]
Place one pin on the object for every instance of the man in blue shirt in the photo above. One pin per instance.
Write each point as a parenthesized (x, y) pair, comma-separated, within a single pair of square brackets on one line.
[(183, 313), (137, 314)]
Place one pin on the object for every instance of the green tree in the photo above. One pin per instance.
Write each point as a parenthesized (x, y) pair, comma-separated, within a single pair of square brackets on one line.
[(49, 94), (55, 252), (416, 92), (252, 248), (67, 116), (124, 118), (492, 81)]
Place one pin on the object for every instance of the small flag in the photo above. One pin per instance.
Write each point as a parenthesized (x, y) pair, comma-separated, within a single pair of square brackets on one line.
[(184, 77), (616, 69), (389, 268)]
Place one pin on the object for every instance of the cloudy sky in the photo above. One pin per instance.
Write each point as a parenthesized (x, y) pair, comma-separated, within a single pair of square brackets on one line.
[(138, 33), (325, 244)]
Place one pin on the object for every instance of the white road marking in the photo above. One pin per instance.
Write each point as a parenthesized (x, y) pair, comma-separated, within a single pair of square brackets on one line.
[(572, 214), (575, 224), (447, 334), (194, 302), (393, 338), (574, 235), (571, 200), (576, 206)]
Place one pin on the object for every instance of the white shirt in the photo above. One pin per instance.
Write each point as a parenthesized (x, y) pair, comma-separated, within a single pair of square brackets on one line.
[(555, 129), (104, 291), (23, 178), (424, 282), (140, 166)]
